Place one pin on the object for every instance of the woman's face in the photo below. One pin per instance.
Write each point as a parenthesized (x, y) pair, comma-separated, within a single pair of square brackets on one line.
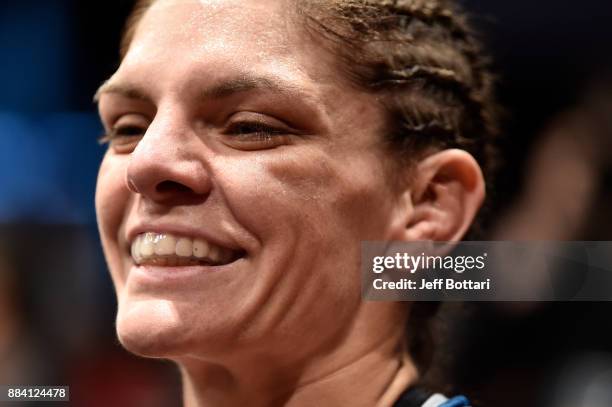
[(255, 167)]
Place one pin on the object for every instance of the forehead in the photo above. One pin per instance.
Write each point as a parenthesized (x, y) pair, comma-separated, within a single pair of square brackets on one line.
[(176, 36), (213, 24)]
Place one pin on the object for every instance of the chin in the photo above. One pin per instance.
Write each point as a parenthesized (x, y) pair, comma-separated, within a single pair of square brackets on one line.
[(160, 328), (151, 328)]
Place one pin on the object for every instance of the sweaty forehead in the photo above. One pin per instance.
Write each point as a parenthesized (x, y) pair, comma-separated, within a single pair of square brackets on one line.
[(251, 30)]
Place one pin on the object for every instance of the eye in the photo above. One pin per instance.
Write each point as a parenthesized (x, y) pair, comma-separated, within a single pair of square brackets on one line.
[(255, 135), (253, 130), (125, 134)]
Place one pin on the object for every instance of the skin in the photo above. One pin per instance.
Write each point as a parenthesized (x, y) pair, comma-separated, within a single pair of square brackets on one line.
[(285, 324)]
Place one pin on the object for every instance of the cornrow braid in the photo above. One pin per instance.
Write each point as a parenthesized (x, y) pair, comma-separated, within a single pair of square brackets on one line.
[(429, 11)]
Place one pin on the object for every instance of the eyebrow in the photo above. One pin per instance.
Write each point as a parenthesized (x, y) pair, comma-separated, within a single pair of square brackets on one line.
[(128, 91), (232, 86), (247, 83)]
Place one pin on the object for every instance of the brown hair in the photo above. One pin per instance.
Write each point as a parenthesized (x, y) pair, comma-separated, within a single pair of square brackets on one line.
[(426, 67)]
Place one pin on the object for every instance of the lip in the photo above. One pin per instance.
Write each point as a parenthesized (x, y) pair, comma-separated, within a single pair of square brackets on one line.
[(168, 276)]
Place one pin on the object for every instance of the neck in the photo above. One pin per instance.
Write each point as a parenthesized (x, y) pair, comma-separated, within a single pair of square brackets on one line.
[(361, 371)]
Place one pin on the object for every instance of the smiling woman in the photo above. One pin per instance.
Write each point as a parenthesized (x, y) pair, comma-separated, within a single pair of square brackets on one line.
[(252, 146)]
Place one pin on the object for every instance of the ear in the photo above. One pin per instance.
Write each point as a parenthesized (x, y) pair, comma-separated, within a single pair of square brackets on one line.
[(446, 191)]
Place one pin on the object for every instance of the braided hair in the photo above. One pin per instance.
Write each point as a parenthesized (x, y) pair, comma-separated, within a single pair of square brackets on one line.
[(423, 62)]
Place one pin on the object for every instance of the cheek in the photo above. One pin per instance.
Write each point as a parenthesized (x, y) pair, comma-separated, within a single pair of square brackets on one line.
[(111, 202), (307, 192), (341, 200), (310, 211)]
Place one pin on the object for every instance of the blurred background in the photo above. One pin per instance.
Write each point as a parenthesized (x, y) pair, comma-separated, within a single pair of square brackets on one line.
[(57, 304)]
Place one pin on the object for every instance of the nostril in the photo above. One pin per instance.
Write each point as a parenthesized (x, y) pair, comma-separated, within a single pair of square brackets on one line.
[(165, 187)]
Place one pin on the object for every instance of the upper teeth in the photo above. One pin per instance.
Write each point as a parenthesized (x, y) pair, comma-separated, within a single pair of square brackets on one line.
[(170, 250)]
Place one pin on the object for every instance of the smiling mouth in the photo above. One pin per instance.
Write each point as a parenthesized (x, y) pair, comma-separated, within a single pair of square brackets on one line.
[(164, 249)]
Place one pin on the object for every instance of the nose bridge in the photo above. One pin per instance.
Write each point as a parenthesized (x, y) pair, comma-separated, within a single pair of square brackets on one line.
[(165, 138), (166, 162)]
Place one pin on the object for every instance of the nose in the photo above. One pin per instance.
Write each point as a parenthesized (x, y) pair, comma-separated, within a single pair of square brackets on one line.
[(167, 166)]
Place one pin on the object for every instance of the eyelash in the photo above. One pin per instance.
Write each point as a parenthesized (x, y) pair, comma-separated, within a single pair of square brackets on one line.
[(122, 131), (257, 130), (245, 131)]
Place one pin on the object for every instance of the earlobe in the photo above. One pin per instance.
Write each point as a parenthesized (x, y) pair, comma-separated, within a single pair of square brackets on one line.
[(446, 193)]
